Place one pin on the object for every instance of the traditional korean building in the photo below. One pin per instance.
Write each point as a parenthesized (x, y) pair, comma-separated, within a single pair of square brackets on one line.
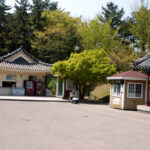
[(144, 65), (22, 74)]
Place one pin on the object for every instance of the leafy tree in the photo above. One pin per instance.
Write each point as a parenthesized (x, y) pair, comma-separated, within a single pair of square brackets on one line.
[(87, 67), (98, 35), (123, 56), (112, 12), (59, 38), (141, 26)]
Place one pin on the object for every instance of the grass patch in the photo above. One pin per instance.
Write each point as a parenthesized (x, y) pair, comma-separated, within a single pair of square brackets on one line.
[(101, 91)]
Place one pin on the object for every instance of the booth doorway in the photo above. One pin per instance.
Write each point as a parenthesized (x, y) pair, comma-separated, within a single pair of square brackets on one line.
[(60, 87)]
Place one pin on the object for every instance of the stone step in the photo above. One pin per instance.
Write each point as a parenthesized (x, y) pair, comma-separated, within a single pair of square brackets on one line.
[(33, 98)]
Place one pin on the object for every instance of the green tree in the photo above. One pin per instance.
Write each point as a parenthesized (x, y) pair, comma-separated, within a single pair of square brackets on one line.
[(87, 67), (59, 38), (96, 34), (141, 26), (123, 56), (50, 82)]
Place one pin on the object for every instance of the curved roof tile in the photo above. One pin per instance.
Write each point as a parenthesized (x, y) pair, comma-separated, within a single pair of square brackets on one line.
[(36, 67)]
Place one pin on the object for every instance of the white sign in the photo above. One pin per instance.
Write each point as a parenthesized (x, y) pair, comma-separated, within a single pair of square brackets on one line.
[(18, 91), (116, 101), (47, 92)]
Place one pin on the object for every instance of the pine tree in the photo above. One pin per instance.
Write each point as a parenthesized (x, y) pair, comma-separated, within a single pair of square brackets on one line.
[(37, 8), (3, 12), (3, 22), (51, 6), (22, 21), (112, 12), (115, 15)]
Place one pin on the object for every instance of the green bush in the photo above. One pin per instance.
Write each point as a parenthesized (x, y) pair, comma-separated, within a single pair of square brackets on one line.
[(50, 83)]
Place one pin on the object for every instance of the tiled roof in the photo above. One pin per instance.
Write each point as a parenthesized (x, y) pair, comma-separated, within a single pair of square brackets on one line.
[(142, 64), (129, 74), (21, 49), (29, 68), (38, 66)]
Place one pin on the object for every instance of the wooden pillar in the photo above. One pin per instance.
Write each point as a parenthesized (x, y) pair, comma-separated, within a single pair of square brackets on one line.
[(147, 103), (64, 88)]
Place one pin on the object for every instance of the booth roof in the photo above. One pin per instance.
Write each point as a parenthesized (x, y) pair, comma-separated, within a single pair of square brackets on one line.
[(128, 74)]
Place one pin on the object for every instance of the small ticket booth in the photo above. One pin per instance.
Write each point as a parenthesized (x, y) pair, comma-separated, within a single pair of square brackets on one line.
[(128, 89)]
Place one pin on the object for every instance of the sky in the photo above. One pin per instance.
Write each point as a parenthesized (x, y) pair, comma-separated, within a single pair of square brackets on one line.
[(89, 8)]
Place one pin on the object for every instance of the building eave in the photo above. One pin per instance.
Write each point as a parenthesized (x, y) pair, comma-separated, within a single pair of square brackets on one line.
[(125, 78)]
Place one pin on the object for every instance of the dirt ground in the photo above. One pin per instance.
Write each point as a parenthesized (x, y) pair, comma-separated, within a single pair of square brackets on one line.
[(66, 126)]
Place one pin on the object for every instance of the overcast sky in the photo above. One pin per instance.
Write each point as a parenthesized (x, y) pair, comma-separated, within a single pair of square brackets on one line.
[(89, 8)]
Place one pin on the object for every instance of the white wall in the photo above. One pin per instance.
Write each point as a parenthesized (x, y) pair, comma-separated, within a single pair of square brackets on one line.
[(19, 81)]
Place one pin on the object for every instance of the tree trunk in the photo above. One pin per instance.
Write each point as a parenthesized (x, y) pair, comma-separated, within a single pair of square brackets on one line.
[(82, 88), (82, 92)]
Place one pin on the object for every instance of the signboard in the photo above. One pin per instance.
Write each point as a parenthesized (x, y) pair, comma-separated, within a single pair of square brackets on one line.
[(11, 77), (117, 81), (18, 91), (116, 101), (29, 85)]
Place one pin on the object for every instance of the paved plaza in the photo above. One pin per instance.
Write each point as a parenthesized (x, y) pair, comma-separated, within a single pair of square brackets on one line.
[(65, 126)]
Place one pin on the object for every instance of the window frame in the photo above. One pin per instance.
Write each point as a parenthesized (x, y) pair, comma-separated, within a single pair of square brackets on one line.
[(135, 83), (115, 94), (4, 84), (67, 85)]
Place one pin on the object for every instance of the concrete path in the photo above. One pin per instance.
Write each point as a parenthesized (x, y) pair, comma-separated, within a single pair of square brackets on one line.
[(66, 126), (143, 108), (33, 98)]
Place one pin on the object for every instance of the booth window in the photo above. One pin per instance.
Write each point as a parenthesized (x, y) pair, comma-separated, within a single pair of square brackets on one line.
[(69, 85), (134, 90), (117, 89), (8, 84)]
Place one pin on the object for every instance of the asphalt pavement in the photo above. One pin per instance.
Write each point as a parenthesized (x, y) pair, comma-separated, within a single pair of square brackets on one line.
[(66, 126)]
